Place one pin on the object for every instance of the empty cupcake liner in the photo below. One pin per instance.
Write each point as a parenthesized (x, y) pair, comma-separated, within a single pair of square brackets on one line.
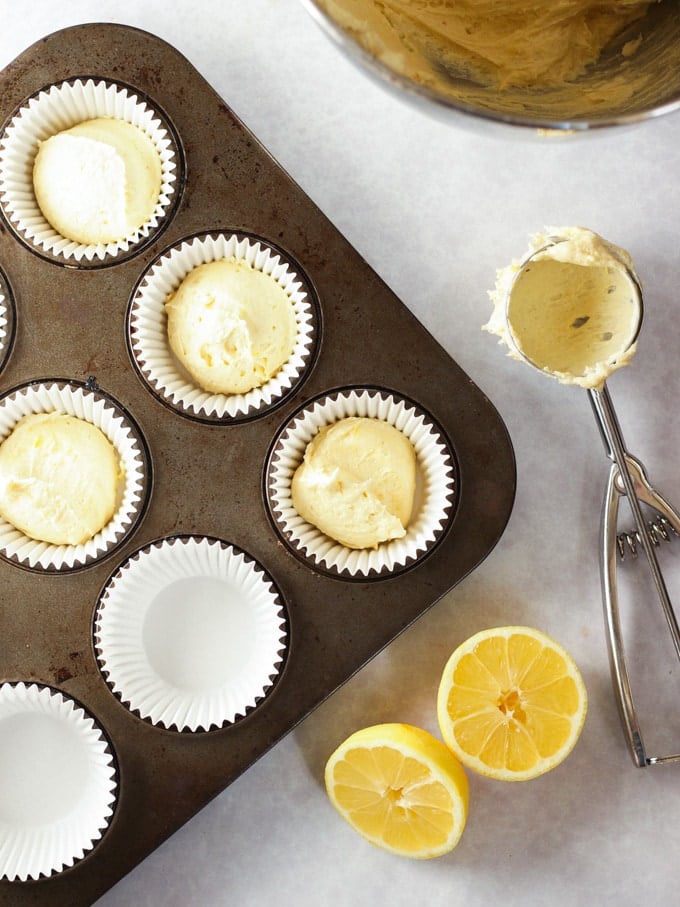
[(52, 110), (148, 336), (84, 402), (58, 782), (191, 633), (7, 320), (436, 484)]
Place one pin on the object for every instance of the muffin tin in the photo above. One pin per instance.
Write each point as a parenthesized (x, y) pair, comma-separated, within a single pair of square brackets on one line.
[(213, 479)]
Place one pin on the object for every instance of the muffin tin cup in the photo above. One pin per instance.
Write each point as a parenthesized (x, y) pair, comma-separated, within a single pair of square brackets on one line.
[(52, 110), (7, 320), (58, 782), (84, 402), (147, 331), (191, 633), (436, 484)]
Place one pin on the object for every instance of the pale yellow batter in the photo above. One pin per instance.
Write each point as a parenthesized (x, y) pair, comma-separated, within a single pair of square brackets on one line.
[(59, 478), (573, 311), (357, 482), (99, 181), (231, 326), (506, 42)]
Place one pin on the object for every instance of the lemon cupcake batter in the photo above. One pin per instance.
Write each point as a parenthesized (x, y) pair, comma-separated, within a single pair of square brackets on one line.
[(507, 42), (99, 181), (573, 311), (59, 478), (357, 482), (231, 326)]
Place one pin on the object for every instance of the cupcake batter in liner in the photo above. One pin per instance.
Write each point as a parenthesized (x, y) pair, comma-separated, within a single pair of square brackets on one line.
[(57, 108), (86, 402), (436, 484), (58, 782), (7, 320), (191, 634), (148, 338)]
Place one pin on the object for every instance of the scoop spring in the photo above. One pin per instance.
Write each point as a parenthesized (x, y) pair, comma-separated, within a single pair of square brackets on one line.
[(658, 530)]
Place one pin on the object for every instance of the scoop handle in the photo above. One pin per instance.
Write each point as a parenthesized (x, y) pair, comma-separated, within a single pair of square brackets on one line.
[(626, 476), (615, 645), (611, 433)]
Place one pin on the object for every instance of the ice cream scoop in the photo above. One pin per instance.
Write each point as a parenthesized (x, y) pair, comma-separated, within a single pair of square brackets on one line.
[(572, 308)]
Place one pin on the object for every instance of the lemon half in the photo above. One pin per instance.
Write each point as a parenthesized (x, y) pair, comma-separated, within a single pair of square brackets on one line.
[(511, 703), (400, 788)]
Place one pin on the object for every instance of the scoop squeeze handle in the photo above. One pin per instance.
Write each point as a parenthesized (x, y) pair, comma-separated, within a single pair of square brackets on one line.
[(627, 476)]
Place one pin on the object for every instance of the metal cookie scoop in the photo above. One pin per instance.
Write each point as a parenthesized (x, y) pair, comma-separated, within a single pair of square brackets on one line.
[(610, 304)]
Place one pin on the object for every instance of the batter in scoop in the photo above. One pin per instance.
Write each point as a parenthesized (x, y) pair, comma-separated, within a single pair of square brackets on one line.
[(573, 310)]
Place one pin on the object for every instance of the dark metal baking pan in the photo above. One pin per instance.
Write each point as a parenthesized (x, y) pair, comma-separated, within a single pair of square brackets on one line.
[(208, 479)]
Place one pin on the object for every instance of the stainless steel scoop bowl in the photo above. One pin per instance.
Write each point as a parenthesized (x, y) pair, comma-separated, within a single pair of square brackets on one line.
[(653, 70)]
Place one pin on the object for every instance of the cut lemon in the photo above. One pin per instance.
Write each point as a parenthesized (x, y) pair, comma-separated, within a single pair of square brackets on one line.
[(511, 703), (400, 788)]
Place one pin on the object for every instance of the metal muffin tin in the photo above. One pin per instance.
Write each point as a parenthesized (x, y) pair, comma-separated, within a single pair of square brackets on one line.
[(208, 479)]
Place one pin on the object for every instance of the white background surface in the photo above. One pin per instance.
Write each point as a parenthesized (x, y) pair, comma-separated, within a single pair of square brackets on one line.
[(435, 209)]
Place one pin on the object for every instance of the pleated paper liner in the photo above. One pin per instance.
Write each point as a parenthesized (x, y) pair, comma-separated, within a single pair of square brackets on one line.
[(159, 368), (84, 401), (58, 107), (436, 484), (191, 633), (7, 320), (58, 782)]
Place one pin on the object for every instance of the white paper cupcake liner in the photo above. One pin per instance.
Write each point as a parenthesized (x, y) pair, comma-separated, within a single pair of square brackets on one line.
[(191, 633), (148, 335), (3, 323), (58, 782), (6, 320), (436, 484), (57, 108), (78, 400)]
